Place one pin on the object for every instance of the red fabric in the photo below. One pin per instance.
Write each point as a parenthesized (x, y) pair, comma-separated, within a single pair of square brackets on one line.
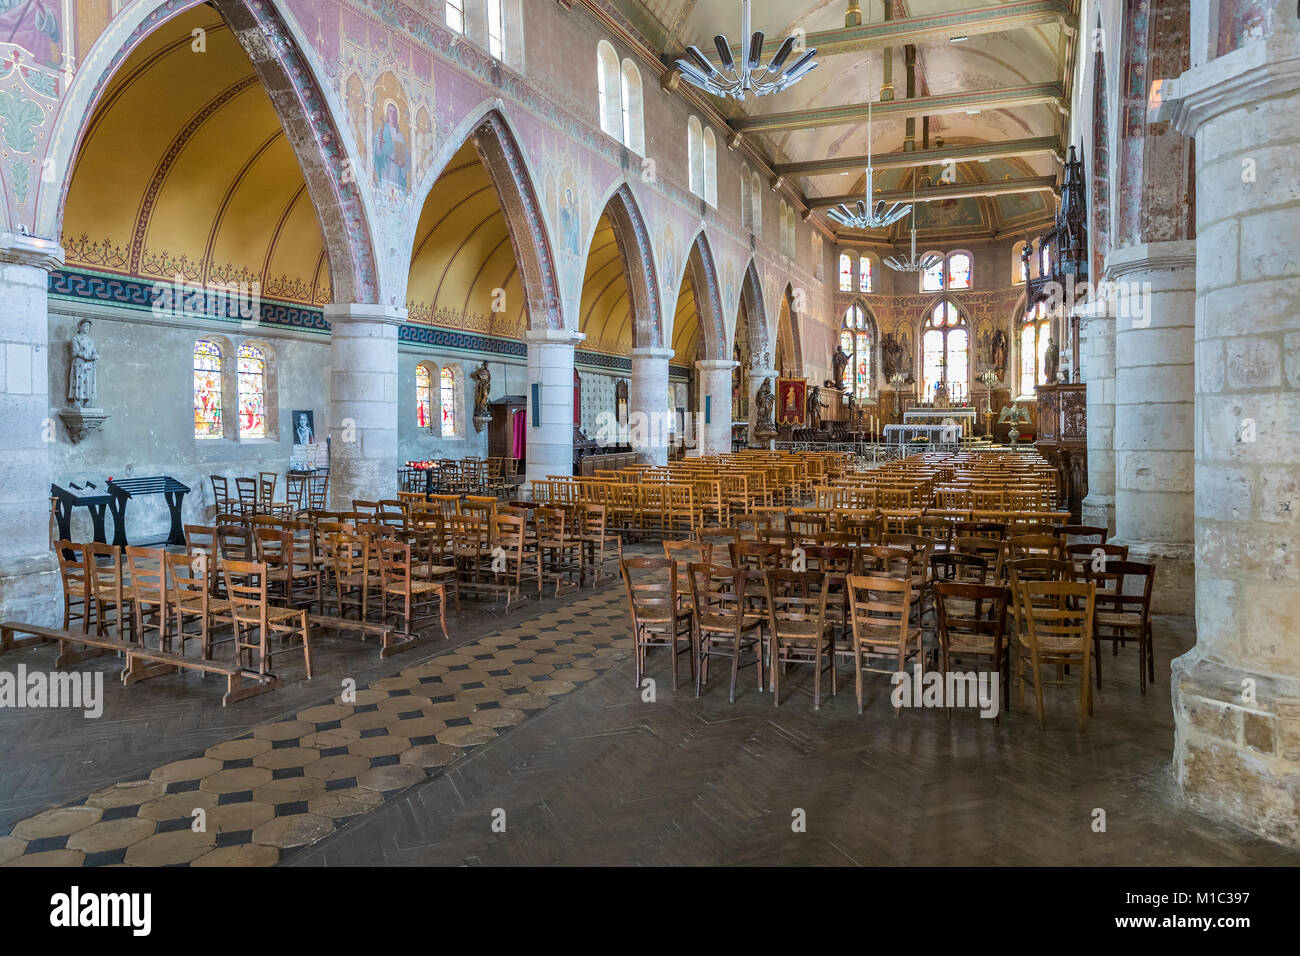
[(519, 436)]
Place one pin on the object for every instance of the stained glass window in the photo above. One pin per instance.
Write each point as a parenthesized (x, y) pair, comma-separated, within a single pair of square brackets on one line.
[(864, 274), (207, 391), (932, 278), (959, 271), (1044, 260), (846, 272), (252, 392), (1035, 334), (945, 352), (423, 396), (855, 340), (448, 400)]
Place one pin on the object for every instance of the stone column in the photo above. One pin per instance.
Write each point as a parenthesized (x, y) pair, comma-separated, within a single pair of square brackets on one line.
[(1237, 692), (756, 378), (714, 437), (1154, 309), (648, 399), (1097, 366), (29, 584), (363, 402), (550, 401)]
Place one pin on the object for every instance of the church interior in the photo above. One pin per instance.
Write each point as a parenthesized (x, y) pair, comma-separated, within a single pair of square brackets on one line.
[(403, 404)]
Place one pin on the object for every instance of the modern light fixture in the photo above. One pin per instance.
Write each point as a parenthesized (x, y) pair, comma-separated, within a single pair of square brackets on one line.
[(912, 263), (868, 214), (738, 80)]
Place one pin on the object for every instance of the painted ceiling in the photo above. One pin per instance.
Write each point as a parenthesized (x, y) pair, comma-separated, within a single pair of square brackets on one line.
[(185, 170), (1024, 55), (463, 269)]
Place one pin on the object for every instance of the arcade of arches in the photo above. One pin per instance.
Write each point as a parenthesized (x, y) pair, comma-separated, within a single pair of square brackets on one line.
[(309, 237)]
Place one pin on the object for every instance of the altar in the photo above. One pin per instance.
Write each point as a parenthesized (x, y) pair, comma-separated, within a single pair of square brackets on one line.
[(935, 433), (963, 416)]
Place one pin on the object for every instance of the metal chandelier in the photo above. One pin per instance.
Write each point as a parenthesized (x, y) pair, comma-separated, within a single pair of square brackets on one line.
[(868, 214), (912, 263), (738, 80)]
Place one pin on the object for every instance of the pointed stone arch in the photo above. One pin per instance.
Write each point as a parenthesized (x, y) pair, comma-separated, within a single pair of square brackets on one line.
[(305, 105), (637, 254), (751, 301), (708, 297)]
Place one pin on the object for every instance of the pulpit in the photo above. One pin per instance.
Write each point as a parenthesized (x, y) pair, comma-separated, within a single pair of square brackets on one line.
[(1063, 438)]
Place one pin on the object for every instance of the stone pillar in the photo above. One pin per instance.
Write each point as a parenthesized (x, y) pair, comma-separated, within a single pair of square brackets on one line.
[(1155, 302), (715, 406), (550, 401), (756, 378), (648, 399), (29, 580), (1237, 692), (1097, 366), (363, 402)]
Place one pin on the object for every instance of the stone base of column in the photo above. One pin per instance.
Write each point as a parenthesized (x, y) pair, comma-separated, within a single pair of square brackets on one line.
[(1175, 590), (1237, 745), (1099, 512), (30, 590)]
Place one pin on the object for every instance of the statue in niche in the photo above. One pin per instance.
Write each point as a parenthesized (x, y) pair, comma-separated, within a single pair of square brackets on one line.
[(891, 356), (764, 406), (81, 380), (482, 377), (839, 361), (815, 407), (1051, 362), (999, 353)]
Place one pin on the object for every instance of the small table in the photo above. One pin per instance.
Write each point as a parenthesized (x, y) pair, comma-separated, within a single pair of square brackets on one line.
[(114, 497)]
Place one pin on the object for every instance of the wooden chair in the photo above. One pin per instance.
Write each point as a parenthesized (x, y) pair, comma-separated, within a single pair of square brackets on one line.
[(799, 630), (318, 487), (592, 535), (76, 586), (1094, 556), (1035, 546), (510, 534), (250, 609), (1059, 631), (1122, 614), (111, 590), (353, 578), (247, 491), (683, 554), (658, 617), (880, 560), (192, 599), (148, 573), (288, 569), (221, 500), (559, 553), (1070, 531), (966, 629), (401, 589), (722, 626), (880, 609), (997, 530)]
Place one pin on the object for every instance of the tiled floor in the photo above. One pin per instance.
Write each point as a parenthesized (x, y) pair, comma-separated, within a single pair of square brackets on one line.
[(528, 743)]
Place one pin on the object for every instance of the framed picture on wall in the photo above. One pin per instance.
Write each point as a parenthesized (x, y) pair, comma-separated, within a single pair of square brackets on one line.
[(304, 428)]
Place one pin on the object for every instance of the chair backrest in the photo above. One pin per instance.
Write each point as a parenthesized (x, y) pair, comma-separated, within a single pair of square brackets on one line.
[(880, 607), (220, 491), (274, 547), (592, 520), (247, 489), (104, 571), (1113, 592), (651, 585), (685, 553), (1071, 531), (1059, 611), (148, 574), (246, 591), (970, 615), (266, 482), (552, 523), (370, 508), (755, 555), (509, 532), (1095, 556), (841, 539), (190, 576), (348, 554), (960, 567), (997, 530), (72, 567), (394, 562), (717, 595), (1034, 546), (876, 560), (317, 491), (795, 598), (830, 560)]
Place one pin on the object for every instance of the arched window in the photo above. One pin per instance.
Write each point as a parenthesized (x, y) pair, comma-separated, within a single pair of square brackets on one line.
[(846, 272), (787, 230), (447, 394), (746, 204), (710, 168), (496, 24), (819, 264), (251, 362), (866, 281), (1044, 259), (1019, 272), (756, 197), (456, 15), (608, 80), (856, 340), (932, 278), (1035, 334), (423, 396), (633, 109), (960, 265), (695, 155), (945, 353), (207, 391)]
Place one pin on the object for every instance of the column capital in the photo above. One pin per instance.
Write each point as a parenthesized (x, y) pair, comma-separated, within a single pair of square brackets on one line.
[(762, 373), (653, 353), (1151, 257), (554, 336), (1259, 70), (716, 365), (365, 312), (30, 251)]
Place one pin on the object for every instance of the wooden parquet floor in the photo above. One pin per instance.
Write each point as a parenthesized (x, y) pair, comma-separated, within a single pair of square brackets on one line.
[(527, 744)]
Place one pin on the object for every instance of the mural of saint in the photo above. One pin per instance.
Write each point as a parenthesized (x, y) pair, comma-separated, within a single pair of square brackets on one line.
[(392, 153), (33, 25), (571, 223), (356, 105)]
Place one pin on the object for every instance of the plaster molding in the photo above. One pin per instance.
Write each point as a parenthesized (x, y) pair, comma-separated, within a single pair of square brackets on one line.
[(1257, 71)]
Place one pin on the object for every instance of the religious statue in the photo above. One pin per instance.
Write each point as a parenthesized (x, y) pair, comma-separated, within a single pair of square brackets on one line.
[(81, 381), (482, 377), (1051, 362), (839, 361), (891, 356), (999, 353), (814, 407), (764, 403)]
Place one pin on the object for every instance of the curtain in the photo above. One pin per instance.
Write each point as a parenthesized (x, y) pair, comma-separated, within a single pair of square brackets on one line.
[(519, 435)]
